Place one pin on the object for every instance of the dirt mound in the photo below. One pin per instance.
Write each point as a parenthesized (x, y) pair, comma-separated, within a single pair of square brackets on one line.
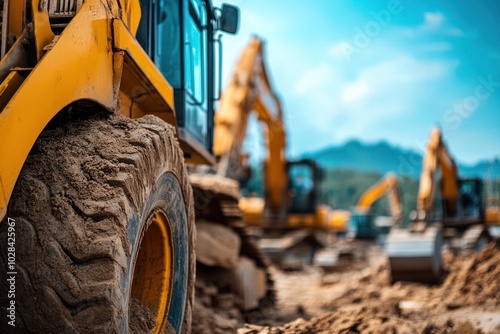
[(366, 302), (207, 320), (476, 281), (348, 322)]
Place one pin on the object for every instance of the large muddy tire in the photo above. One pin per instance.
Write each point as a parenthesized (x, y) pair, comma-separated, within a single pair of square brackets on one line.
[(104, 227)]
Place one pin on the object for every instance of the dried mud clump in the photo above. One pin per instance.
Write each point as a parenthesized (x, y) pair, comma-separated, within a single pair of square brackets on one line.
[(475, 283)]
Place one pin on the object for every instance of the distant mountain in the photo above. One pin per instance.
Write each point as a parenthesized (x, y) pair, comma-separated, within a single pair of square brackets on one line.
[(382, 157)]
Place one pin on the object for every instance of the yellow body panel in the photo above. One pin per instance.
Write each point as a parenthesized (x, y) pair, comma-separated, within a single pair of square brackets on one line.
[(301, 220), (319, 220), (9, 87), (95, 59), (492, 211), (16, 15), (253, 210), (55, 83), (143, 89), (492, 216), (322, 217), (338, 220)]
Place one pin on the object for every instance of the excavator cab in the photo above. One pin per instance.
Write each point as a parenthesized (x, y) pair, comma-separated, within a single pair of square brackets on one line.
[(464, 210), (181, 34), (471, 207), (362, 226), (303, 178)]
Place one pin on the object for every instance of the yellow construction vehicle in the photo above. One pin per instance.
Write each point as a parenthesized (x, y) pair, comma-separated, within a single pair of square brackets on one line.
[(302, 227), (415, 254), (361, 222), (101, 102), (290, 191)]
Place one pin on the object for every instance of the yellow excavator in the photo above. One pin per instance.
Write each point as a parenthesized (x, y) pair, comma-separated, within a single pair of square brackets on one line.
[(101, 105), (250, 91), (292, 238), (361, 222), (229, 260), (415, 254), (290, 196)]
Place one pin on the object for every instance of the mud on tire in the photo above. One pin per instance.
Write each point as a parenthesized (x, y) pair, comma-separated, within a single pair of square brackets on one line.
[(81, 206)]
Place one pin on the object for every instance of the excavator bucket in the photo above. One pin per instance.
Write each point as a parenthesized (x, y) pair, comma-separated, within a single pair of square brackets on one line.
[(415, 256)]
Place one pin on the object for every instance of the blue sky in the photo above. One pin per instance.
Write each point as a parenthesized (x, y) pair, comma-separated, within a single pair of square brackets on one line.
[(379, 70)]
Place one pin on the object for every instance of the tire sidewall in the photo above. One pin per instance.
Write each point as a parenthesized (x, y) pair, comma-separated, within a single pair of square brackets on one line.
[(166, 194)]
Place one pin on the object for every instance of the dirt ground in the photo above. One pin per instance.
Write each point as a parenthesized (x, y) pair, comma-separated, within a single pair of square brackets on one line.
[(361, 299)]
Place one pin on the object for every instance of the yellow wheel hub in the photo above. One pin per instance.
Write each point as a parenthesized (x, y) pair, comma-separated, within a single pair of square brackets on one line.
[(153, 272)]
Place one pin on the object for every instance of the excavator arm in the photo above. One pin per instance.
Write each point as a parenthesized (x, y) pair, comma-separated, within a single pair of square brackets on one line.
[(437, 157), (387, 185), (415, 254), (250, 91)]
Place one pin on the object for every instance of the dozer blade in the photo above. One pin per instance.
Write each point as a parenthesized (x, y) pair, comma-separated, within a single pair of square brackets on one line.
[(415, 256)]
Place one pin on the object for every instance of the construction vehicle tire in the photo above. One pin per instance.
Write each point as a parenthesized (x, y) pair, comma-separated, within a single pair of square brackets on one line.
[(104, 231)]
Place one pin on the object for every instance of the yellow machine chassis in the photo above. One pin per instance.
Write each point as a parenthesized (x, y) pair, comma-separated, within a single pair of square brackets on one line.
[(81, 64)]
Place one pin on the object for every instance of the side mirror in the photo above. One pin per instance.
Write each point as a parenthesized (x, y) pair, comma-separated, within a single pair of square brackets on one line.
[(229, 19)]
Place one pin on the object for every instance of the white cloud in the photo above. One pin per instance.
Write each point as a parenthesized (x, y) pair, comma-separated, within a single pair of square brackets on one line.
[(314, 78), (405, 69), (390, 75), (339, 107), (434, 47), (259, 21), (454, 31), (359, 90), (434, 22), (339, 49)]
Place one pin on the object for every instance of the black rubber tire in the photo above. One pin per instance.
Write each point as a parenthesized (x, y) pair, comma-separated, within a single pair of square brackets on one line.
[(80, 206)]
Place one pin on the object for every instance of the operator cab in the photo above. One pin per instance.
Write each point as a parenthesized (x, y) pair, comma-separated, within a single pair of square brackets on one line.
[(303, 177), (470, 208), (179, 36)]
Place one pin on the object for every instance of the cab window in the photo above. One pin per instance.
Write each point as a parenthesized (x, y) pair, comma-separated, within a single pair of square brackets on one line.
[(168, 53), (195, 43)]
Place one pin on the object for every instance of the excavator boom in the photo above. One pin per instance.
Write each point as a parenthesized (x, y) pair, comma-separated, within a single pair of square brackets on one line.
[(290, 196), (219, 218), (387, 185), (437, 158), (249, 91)]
